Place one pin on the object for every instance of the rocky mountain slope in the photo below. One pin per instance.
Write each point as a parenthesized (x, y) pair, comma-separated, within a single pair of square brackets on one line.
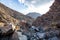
[(45, 27), (33, 14), (14, 14), (6, 30), (51, 17), (10, 20), (7, 24)]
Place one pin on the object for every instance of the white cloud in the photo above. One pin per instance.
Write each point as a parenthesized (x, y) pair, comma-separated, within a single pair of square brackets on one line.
[(41, 9), (33, 2), (33, 8), (21, 1)]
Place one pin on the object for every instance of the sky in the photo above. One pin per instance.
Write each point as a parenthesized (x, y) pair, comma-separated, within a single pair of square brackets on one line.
[(26, 6)]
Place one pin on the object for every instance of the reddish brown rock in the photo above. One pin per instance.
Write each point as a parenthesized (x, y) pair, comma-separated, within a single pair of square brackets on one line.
[(52, 17)]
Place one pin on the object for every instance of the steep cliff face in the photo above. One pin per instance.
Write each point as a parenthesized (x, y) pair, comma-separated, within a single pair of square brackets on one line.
[(51, 17)]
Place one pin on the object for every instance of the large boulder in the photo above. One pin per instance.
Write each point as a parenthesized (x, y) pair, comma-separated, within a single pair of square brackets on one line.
[(7, 33), (21, 36)]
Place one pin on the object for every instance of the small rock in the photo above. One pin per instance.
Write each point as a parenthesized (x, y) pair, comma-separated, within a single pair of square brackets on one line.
[(40, 35), (54, 38)]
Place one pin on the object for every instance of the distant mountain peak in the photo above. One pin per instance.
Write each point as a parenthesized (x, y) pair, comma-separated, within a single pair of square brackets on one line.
[(34, 14)]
